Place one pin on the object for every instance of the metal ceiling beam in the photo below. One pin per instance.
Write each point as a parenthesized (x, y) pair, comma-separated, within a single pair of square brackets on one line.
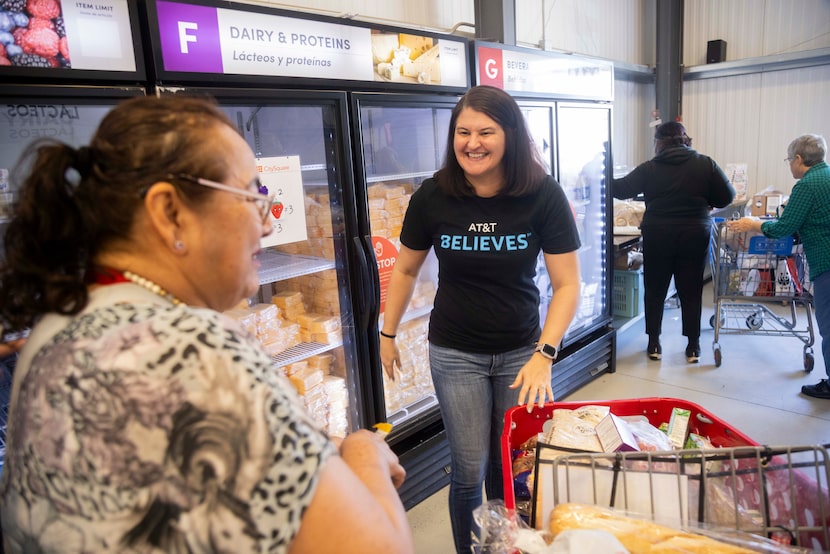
[(760, 64), (668, 71), (496, 21)]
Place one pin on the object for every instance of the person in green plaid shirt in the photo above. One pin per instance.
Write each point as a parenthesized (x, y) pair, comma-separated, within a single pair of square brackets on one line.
[(808, 213)]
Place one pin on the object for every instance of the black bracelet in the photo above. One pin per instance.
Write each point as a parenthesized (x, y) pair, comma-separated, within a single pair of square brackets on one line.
[(387, 336)]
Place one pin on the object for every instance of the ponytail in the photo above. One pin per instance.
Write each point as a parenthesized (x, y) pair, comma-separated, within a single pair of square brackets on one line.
[(45, 242)]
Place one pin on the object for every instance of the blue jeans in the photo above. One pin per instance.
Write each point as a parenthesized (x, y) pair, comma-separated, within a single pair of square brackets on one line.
[(473, 394), (821, 302)]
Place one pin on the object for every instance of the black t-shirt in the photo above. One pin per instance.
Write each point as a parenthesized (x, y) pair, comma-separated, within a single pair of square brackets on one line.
[(487, 250)]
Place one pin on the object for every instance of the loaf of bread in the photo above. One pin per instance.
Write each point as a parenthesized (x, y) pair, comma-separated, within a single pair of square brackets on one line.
[(637, 535)]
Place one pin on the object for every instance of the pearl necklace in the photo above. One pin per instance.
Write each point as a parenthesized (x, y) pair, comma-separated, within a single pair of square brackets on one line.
[(152, 287)]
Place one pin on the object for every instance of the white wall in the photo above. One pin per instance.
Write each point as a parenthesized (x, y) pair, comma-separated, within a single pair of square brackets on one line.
[(434, 15), (752, 118), (620, 30), (631, 141), (753, 28)]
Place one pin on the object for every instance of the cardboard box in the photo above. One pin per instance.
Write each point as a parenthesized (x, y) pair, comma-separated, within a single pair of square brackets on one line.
[(766, 204), (679, 426), (614, 435)]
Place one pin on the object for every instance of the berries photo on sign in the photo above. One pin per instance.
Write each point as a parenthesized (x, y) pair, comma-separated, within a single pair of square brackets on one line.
[(33, 34)]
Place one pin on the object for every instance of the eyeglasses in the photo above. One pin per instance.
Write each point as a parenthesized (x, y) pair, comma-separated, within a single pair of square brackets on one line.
[(262, 199), (788, 159)]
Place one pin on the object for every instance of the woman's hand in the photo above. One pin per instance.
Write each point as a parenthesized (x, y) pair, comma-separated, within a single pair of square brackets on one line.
[(356, 507), (744, 224), (9, 348), (390, 357), (534, 380), (363, 450)]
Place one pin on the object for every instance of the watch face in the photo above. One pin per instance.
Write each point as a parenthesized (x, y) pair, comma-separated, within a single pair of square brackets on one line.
[(547, 350)]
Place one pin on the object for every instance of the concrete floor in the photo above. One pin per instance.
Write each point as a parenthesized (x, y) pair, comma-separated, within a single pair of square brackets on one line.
[(756, 390)]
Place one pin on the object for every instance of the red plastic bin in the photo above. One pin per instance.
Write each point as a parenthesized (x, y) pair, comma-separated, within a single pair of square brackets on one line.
[(519, 425)]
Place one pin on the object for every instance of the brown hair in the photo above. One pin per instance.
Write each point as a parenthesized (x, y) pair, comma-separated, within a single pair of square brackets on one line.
[(74, 202), (523, 167)]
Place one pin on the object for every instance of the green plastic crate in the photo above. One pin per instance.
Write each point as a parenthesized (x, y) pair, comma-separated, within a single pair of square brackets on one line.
[(627, 294)]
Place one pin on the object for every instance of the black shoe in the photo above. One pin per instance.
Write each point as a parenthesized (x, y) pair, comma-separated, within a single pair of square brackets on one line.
[(654, 350), (692, 355), (693, 352), (821, 390)]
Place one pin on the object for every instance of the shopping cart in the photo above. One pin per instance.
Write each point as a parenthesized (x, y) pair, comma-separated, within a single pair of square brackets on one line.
[(773, 492), (759, 285)]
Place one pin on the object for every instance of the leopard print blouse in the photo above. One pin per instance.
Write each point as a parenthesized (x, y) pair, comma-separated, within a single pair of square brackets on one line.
[(149, 428)]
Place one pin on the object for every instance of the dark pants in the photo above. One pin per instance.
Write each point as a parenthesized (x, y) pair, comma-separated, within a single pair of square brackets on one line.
[(679, 251)]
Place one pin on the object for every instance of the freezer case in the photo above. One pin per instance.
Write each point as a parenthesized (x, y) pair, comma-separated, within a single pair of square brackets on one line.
[(304, 311), (580, 140), (402, 141), (573, 139)]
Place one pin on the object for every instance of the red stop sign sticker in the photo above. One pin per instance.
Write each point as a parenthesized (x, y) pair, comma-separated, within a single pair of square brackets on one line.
[(386, 254)]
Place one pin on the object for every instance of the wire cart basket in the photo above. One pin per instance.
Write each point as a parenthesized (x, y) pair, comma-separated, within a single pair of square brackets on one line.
[(779, 493), (751, 274)]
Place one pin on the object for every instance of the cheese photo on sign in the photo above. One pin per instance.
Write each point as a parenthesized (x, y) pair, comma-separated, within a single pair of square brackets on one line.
[(405, 57)]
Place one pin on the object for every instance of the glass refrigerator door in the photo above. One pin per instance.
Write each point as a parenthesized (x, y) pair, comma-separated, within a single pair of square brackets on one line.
[(540, 124), (302, 311), (581, 137), (583, 133), (68, 114), (402, 146)]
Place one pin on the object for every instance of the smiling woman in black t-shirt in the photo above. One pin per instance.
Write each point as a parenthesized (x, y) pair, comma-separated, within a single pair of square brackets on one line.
[(487, 213)]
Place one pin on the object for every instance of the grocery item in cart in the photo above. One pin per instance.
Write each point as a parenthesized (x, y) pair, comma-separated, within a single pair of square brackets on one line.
[(640, 536)]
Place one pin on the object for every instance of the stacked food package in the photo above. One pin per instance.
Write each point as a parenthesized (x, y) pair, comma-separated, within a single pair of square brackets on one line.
[(415, 382), (320, 379), (387, 206), (305, 310), (318, 227)]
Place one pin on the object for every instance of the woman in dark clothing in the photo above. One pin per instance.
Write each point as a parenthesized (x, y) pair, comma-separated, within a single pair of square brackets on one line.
[(680, 186)]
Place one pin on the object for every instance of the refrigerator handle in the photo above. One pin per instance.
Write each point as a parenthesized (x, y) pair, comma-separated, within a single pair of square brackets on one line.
[(366, 317), (369, 289)]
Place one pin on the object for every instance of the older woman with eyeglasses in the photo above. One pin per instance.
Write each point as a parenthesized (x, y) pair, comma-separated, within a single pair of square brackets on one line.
[(142, 419), (807, 213)]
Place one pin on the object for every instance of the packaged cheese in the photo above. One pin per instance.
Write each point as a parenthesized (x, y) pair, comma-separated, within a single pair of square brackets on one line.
[(306, 379), (321, 361), (287, 299), (324, 324)]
